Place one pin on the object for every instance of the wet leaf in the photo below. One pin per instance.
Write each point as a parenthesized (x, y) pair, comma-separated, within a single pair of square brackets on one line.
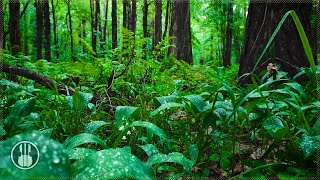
[(309, 145), (91, 127), (123, 113), (83, 138)]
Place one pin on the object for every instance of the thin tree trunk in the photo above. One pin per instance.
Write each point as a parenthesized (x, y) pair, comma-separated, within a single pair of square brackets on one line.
[(133, 17), (93, 27), (145, 27), (83, 33), (167, 19), (39, 28), (47, 44), (14, 29), (104, 33), (55, 30), (1, 27), (158, 23), (98, 23), (124, 14), (114, 24), (227, 57), (70, 27)]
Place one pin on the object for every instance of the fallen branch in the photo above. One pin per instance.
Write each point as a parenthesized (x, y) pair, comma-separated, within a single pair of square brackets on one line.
[(38, 78)]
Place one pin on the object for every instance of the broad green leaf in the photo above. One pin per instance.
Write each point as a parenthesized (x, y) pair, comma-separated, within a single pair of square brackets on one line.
[(5, 82), (79, 100), (310, 145), (275, 127), (193, 152), (23, 107), (123, 113), (150, 149), (83, 138), (112, 164), (258, 94), (80, 153), (149, 126), (297, 87), (91, 127), (165, 106), (158, 101), (172, 157), (53, 159), (198, 102)]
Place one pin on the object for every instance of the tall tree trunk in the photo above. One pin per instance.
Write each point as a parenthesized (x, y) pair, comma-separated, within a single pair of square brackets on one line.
[(39, 28), (98, 23), (167, 18), (93, 27), (14, 29), (145, 26), (114, 24), (1, 27), (262, 20), (55, 30), (227, 57), (46, 16), (133, 17), (104, 32), (70, 27), (181, 29), (124, 14), (158, 23)]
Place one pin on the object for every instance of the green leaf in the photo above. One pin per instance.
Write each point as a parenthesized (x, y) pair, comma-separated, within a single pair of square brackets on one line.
[(79, 153), (149, 126), (23, 107), (123, 113), (150, 149), (79, 100), (53, 159), (158, 101), (309, 145), (5, 82), (198, 102), (172, 157), (91, 127), (83, 138), (165, 106), (194, 152), (297, 87), (275, 127), (112, 164)]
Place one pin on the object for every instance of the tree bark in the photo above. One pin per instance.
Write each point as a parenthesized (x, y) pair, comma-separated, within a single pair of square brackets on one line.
[(39, 28), (133, 17), (262, 20), (38, 78), (145, 26), (98, 24), (158, 23), (14, 28), (93, 27), (70, 26), (114, 24), (167, 19), (104, 32), (55, 30), (227, 57), (47, 44), (181, 29), (1, 27)]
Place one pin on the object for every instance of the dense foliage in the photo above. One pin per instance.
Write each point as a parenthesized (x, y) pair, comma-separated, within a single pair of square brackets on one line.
[(162, 117)]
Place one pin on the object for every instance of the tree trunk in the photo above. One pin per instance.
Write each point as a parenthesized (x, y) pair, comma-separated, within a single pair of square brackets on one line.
[(46, 16), (83, 33), (167, 19), (227, 57), (1, 27), (180, 28), (158, 23), (98, 23), (262, 20), (145, 26), (39, 28), (114, 25), (70, 27), (124, 14), (133, 17), (93, 27), (55, 30), (104, 32)]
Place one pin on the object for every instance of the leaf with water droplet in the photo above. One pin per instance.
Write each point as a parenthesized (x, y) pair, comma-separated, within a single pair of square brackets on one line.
[(310, 145), (83, 138)]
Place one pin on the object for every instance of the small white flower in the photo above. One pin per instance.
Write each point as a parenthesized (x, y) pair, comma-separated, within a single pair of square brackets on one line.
[(127, 124), (124, 137), (121, 128), (128, 132)]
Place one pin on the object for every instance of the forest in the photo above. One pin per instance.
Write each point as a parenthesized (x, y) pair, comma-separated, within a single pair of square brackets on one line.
[(148, 89)]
